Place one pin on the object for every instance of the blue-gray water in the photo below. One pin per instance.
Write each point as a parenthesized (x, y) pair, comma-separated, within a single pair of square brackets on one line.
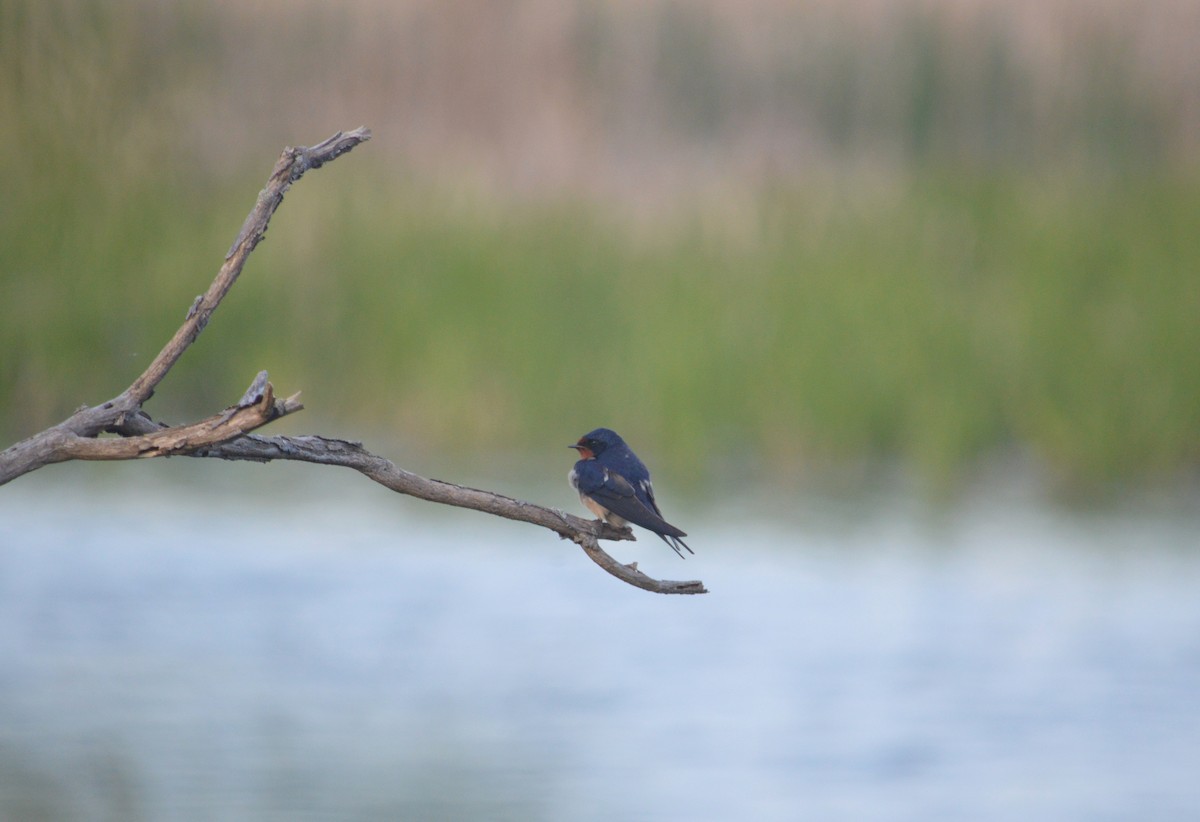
[(186, 652)]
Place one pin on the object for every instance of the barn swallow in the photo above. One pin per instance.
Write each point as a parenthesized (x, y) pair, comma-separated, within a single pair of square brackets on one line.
[(615, 486)]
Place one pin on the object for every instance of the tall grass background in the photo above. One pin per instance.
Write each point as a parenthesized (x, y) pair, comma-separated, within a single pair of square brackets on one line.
[(788, 240)]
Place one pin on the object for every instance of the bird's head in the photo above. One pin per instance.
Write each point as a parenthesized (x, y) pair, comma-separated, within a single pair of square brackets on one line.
[(595, 443)]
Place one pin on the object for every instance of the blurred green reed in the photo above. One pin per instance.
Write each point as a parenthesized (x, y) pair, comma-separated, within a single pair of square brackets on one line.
[(937, 323), (944, 314)]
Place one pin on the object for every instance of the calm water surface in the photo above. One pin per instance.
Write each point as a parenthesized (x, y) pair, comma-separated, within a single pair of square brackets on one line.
[(242, 655)]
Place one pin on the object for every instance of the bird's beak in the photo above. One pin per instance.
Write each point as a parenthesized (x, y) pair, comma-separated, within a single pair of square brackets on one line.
[(577, 447)]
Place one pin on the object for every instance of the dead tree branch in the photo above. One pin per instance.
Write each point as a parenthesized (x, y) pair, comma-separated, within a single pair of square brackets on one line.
[(226, 435), (58, 444)]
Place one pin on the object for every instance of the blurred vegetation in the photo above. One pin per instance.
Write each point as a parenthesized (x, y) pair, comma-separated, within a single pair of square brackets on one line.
[(929, 260)]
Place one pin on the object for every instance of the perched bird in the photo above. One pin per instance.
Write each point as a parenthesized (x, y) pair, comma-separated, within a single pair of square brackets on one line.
[(615, 486)]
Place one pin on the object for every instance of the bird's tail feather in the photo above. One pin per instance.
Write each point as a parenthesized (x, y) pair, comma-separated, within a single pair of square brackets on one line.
[(675, 542)]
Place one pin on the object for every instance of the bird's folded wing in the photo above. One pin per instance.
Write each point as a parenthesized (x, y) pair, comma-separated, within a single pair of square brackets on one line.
[(614, 492)]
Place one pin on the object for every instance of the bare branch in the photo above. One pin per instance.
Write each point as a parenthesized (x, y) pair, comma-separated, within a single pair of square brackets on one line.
[(292, 165), (256, 408), (55, 444), (225, 435), (326, 451)]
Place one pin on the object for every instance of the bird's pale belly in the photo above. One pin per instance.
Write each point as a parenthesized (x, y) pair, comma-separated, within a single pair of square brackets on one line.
[(602, 512)]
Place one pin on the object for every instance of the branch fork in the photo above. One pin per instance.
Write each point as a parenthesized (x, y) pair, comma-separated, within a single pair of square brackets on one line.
[(228, 433)]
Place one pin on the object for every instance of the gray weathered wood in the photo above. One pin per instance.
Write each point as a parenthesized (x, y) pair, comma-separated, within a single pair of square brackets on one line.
[(57, 443)]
